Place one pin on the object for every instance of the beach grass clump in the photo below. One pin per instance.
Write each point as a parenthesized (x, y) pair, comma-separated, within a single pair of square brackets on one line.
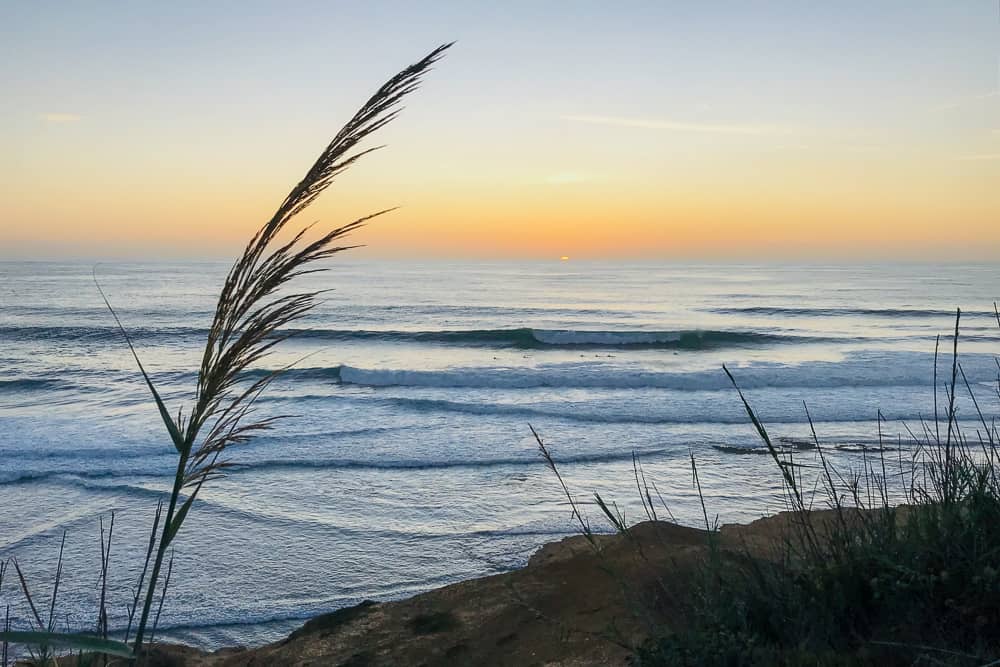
[(894, 563), (865, 580)]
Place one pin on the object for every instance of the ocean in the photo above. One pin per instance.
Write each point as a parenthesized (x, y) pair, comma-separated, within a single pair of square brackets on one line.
[(406, 461)]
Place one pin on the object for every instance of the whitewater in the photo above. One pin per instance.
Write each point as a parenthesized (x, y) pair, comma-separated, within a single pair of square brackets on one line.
[(406, 461)]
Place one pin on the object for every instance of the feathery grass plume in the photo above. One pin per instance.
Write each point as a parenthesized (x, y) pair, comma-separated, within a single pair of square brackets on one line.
[(250, 313), (252, 309)]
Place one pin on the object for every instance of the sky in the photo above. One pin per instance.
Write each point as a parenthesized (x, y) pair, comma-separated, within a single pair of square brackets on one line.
[(676, 130)]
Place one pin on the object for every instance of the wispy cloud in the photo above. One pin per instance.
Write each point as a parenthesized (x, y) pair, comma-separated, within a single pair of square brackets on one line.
[(677, 126), (980, 156), (60, 117), (962, 101)]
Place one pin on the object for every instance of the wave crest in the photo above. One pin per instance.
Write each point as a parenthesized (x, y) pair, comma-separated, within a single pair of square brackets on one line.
[(522, 338)]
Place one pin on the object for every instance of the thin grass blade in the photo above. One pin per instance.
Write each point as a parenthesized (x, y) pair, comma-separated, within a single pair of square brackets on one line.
[(67, 640)]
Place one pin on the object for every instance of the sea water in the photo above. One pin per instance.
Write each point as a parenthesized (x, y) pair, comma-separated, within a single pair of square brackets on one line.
[(406, 460)]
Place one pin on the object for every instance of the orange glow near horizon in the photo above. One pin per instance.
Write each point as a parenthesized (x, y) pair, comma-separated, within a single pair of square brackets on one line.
[(901, 210)]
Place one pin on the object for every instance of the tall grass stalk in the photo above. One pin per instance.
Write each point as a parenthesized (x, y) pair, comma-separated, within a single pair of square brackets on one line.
[(251, 316)]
